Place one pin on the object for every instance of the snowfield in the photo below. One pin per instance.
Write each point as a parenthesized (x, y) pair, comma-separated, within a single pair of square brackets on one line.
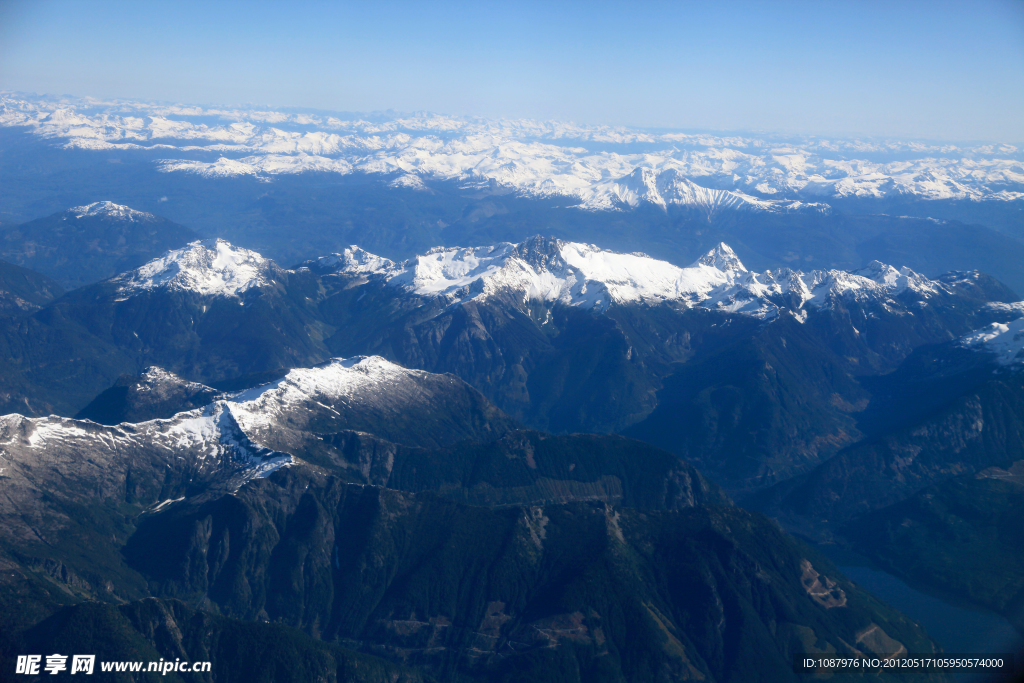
[(1004, 340)]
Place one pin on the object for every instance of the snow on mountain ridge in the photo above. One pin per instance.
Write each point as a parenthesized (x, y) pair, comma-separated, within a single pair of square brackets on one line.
[(368, 377), (550, 270), (1004, 340), (222, 443), (531, 157), (207, 441), (354, 260), (588, 277), (671, 187), (209, 267), (109, 209), (1009, 311), (895, 280)]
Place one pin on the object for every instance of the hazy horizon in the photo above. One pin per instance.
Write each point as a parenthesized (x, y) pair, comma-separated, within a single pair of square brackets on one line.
[(934, 71)]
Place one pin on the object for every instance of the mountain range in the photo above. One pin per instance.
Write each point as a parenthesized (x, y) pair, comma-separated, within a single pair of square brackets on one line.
[(600, 168), (503, 462), (562, 336)]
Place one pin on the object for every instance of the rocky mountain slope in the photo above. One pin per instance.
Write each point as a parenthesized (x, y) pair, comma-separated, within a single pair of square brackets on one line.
[(933, 494), (950, 409), (152, 630), (154, 394), (563, 592), (205, 507), (23, 290)]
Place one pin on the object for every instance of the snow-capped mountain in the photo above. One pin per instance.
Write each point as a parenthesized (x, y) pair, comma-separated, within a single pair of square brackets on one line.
[(588, 277), (569, 273), (671, 187), (110, 210), (202, 446), (227, 442), (208, 267), (598, 166), (364, 393), (1004, 340)]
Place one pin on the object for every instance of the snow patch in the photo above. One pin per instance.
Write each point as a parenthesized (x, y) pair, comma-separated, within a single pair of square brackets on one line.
[(1004, 340), (1008, 311), (409, 181)]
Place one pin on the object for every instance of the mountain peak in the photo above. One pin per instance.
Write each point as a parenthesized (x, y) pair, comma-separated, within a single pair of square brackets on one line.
[(723, 258), (108, 209), (333, 378), (896, 280), (540, 251), (363, 393), (641, 185), (155, 394), (353, 260), (212, 267)]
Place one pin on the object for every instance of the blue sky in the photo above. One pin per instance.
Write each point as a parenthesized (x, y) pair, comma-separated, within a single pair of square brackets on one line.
[(937, 70)]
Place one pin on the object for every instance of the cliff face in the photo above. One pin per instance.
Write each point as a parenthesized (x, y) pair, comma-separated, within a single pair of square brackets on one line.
[(152, 630), (557, 592)]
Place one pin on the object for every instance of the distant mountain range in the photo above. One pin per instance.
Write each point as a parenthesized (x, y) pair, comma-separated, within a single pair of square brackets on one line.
[(600, 168)]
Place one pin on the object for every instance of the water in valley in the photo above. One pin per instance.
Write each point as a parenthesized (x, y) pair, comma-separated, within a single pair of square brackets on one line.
[(959, 629)]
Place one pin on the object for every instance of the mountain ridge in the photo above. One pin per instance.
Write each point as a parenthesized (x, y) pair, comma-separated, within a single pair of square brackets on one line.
[(555, 270)]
